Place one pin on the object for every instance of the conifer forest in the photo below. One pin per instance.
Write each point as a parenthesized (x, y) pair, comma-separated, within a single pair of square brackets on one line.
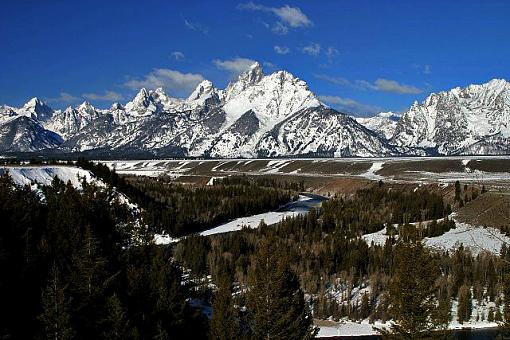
[(78, 262)]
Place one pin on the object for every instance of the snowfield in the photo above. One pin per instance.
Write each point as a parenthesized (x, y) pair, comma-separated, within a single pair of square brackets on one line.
[(378, 238), (476, 239), (43, 175)]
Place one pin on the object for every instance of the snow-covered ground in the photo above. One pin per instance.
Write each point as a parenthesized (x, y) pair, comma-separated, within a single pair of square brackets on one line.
[(164, 239), (350, 328), (152, 168), (345, 327), (43, 175), (301, 206), (378, 238), (372, 171), (477, 239), (467, 176)]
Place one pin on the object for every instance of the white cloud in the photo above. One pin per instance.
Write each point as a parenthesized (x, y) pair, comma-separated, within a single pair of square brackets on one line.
[(178, 55), (175, 81), (279, 28), (63, 97), (335, 80), (388, 85), (195, 26), (351, 106), (281, 49), (235, 66), (110, 96), (269, 65), (425, 69), (287, 15), (292, 16), (381, 84), (331, 53), (312, 49)]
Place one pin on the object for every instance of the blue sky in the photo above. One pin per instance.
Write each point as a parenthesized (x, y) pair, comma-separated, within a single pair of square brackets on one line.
[(360, 56)]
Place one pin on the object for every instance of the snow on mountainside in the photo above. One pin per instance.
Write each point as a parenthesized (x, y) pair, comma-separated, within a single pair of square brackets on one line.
[(383, 124), (24, 134), (471, 120), (262, 115), (256, 115)]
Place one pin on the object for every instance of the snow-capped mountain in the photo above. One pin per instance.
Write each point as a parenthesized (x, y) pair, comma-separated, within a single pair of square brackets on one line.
[(25, 134), (71, 120), (470, 120), (383, 124), (36, 109), (261, 115), (256, 115)]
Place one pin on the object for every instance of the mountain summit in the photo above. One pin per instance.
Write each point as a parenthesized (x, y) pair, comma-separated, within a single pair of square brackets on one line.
[(260, 115)]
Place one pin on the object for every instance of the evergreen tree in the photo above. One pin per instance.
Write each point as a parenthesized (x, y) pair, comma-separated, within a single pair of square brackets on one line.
[(55, 317), (505, 325), (116, 322), (224, 325), (464, 307), (457, 190), (275, 301), (412, 291)]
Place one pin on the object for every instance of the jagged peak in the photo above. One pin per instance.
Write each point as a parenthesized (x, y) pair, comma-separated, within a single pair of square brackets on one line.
[(254, 74), (250, 77), (86, 106), (116, 106), (35, 103), (203, 90)]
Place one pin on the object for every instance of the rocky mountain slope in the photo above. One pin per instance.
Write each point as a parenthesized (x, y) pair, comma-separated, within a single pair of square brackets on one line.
[(471, 120), (383, 124), (261, 115)]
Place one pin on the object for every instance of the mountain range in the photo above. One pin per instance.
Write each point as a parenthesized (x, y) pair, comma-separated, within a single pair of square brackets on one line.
[(260, 115)]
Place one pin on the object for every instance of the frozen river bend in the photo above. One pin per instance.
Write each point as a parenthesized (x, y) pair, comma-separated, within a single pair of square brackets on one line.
[(301, 206)]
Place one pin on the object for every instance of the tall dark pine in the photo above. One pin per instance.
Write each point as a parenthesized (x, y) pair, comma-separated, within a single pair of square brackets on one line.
[(224, 325), (412, 291), (275, 300), (117, 323), (505, 325), (55, 317)]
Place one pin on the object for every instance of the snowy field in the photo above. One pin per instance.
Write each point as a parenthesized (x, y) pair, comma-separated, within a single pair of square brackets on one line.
[(349, 328), (392, 168), (43, 175), (477, 239)]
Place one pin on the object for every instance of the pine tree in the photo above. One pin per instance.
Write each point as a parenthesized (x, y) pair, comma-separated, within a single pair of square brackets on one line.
[(464, 307), (505, 325), (457, 190), (365, 306), (116, 322), (441, 316), (275, 301), (55, 317), (412, 291), (224, 325)]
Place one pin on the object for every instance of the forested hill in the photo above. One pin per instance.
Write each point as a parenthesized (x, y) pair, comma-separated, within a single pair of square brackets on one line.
[(179, 210)]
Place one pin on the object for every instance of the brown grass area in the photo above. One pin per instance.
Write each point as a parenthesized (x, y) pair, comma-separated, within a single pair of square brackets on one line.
[(491, 209), (490, 165), (438, 166)]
